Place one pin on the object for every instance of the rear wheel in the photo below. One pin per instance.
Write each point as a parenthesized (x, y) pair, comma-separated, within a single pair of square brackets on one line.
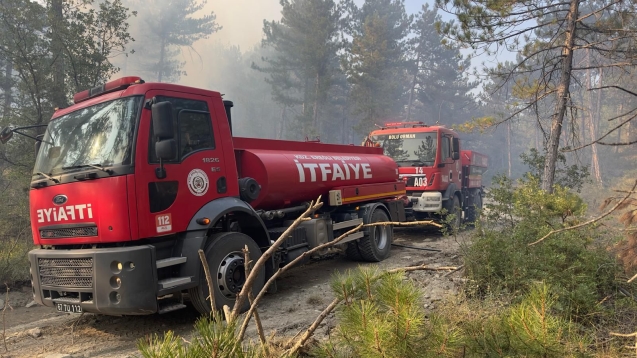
[(376, 245), (472, 212), (227, 270)]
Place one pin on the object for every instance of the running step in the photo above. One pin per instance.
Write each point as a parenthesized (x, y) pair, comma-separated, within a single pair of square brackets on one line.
[(171, 261), (173, 282), (352, 237), (173, 306), (347, 224)]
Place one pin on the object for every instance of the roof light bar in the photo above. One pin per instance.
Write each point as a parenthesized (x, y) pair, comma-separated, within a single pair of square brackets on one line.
[(404, 124), (112, 86)]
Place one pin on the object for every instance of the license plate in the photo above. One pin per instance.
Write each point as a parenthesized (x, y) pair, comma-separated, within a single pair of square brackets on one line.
[(67, 307)]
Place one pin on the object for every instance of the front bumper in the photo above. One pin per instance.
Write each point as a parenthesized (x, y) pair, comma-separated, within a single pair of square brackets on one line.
[(111, 281), (427, 202)]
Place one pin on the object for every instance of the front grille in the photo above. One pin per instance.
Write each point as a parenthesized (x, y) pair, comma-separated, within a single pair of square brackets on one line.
[(72, 273), (70, 232)]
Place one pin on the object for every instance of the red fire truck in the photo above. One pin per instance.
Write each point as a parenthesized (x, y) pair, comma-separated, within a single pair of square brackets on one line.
[(134, 178), (436, 172)]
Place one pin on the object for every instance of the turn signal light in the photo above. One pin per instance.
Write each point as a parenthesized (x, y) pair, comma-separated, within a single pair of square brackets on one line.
[(203, 221)]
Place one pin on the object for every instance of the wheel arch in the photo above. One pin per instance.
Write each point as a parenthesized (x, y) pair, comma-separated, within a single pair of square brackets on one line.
[(249, 221)]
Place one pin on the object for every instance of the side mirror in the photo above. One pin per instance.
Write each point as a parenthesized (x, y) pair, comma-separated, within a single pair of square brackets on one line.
[(5, 135), (455, 154), (166, 149), (162, 113)]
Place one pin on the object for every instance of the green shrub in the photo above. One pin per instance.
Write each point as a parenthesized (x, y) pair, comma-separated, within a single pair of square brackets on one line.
[(526, 329), (382, 316), (501, 260), (212, 338), (14, 262)]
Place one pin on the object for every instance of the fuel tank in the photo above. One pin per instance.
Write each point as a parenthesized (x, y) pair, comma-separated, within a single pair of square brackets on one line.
[(294, 172)]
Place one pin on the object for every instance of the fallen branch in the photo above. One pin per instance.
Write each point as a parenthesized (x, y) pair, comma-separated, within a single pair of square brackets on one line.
[(73, 328), (315, 205), (452, 271), (631, 279), (281, 270), (314, 326), (310, 331), (4, 325), (590, 221), (257, 320), (409, 223), (211, 293)]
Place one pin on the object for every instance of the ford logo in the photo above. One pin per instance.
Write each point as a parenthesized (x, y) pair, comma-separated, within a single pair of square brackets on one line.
[(59, 199)]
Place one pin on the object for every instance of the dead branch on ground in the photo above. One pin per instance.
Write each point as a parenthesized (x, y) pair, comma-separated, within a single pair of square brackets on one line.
[(592, 221), (4, 324), (73, 328), (211, 293), (314, 205), (257, 320), (281, 270)]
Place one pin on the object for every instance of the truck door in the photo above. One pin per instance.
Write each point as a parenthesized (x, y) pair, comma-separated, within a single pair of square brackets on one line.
[(451, 171), (193, 178)]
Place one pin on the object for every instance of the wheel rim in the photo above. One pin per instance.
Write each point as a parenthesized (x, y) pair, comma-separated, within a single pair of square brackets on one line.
[(381, 237), (231, 274)]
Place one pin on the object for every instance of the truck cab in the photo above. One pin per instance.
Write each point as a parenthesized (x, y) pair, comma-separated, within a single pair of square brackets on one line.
[(434, 168)]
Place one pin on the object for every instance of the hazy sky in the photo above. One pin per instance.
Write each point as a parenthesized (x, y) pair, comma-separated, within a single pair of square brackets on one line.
[(242, 22)]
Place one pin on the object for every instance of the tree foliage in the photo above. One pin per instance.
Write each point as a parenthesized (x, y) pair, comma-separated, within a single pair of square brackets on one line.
[(548, 37), (166, 29), (375, 60), (302, 67)]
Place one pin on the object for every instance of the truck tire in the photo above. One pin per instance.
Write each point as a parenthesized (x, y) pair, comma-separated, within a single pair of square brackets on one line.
[(375, 247), (472, 211), (352, 251), (226, 262)]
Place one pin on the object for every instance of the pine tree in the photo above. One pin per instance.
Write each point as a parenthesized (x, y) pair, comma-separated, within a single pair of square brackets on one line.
[(301, 71), (164, 29), (375, 61), (438, 82)]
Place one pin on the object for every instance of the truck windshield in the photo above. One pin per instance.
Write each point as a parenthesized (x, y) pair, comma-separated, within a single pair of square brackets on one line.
[(99, 135), (409, 149)]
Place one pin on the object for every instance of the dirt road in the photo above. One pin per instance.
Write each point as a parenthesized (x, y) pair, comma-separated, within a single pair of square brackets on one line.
[(303, 293)]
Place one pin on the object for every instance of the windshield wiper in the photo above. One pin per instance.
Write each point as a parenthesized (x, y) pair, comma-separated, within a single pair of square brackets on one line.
[(96, 166), (48, 177)]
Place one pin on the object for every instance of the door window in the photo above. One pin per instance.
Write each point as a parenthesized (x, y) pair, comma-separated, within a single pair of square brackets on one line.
[(193, 127)]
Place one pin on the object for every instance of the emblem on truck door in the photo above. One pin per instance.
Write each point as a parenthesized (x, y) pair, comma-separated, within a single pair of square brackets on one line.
[(198, 182), (59, 199)]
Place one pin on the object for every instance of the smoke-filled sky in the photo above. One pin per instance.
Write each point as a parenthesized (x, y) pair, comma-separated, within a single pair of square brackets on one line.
[(242, 22)]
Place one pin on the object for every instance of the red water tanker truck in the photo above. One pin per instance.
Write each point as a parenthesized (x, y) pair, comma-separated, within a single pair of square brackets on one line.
[(134, 178), (437, 173)]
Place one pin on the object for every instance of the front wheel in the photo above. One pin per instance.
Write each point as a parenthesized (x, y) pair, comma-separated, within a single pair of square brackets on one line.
[(227, 268)]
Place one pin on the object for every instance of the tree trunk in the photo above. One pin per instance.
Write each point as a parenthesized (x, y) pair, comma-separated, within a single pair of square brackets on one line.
[(509, 144), (596, 172), (56, 18), (282, 123), (562, 98), (316, 103), (7, 88)]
